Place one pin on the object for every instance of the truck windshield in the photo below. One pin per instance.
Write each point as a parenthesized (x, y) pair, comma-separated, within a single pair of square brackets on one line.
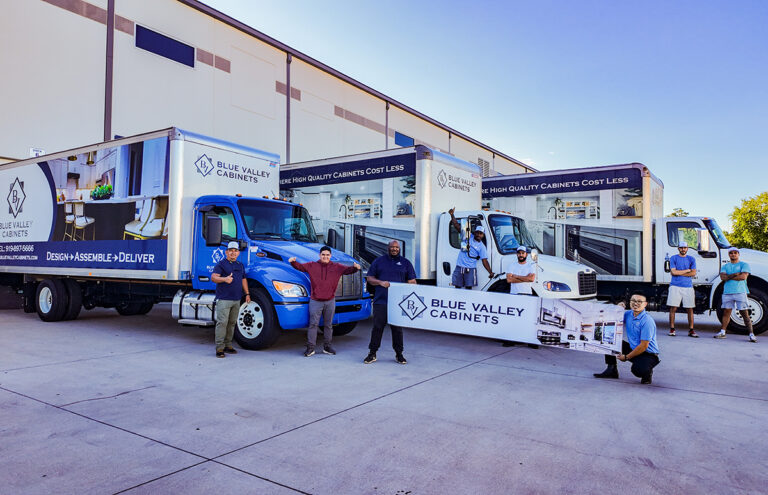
[(717, 233), (510, 232), (268, 220)]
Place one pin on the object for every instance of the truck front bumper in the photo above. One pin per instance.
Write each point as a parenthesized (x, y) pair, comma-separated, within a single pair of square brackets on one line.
[(296, 315)]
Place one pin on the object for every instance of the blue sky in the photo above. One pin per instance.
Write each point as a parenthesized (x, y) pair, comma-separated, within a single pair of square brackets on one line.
[(681, 86)]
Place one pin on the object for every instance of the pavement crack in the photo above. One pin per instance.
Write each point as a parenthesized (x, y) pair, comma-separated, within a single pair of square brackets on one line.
[(108, 397)]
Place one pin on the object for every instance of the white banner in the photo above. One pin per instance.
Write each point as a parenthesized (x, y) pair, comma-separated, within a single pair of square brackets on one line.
[(577, 325)]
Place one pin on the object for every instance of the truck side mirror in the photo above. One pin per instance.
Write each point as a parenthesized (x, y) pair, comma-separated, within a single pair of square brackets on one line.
[(212, 231), (535, 255)]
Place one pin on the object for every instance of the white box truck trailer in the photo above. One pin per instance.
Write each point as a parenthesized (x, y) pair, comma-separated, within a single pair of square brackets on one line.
[(360, 203), (611, 218), (144, 219)]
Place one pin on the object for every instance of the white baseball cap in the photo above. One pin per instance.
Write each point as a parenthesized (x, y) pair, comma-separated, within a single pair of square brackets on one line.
[(522, 248), (233, 245), (733, 248), (682, 244), (479, 228)]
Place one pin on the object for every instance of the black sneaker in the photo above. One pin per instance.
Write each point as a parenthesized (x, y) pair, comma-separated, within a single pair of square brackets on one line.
[(400, 358), (648, 379), (310, 351), (230, 350), (327, 349), (370, 358)]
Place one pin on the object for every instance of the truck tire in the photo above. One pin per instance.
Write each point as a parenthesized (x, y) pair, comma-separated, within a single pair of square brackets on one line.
[(74, 299), (51, 299), (344, 328), (145, 308), (129, 308), (758, 313), (257, 326)]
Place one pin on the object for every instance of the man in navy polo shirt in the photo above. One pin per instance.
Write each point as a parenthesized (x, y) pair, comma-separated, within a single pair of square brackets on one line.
[(387, 268), (640, 347), (231, 284)]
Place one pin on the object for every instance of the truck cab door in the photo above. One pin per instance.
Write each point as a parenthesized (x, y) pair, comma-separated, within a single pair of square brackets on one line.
[(449, 245), (700, 247), (205, 257)]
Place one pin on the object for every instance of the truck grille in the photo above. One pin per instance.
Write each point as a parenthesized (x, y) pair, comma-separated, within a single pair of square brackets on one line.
[(350, 286), (587, 283)]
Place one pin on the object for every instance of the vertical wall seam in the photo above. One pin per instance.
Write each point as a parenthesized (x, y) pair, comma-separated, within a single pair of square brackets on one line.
[(288, 108), (109, 70)]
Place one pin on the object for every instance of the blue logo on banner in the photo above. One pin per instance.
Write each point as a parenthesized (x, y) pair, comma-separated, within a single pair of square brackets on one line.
[(412, 306), (128, 255)]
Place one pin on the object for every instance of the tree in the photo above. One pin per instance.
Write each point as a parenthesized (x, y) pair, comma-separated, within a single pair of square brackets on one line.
[(750, 223), (678, 212)]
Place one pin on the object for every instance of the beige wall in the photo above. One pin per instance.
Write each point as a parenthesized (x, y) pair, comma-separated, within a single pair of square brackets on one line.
[(236, 91), (52, 83)]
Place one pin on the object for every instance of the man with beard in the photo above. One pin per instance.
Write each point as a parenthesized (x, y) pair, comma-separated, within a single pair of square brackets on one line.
[(387, 268), (465, 273), (521, 274)]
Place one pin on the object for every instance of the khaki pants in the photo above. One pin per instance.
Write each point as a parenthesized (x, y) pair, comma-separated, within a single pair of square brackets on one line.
[(226, 318)]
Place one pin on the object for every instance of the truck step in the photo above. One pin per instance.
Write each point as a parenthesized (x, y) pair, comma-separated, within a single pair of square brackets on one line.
[(199, 323)]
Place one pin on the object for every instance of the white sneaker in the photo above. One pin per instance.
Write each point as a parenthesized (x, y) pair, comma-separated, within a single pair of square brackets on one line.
[(752, 337), (720, 335)]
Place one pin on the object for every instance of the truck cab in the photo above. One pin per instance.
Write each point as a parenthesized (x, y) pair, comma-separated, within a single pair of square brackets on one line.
[(555, 277), (709, 247), (269, 231)]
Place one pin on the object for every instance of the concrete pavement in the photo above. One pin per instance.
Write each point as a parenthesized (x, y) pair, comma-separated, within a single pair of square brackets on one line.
[(113, 404)]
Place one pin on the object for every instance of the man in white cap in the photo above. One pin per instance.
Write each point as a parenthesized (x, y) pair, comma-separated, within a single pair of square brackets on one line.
[(683, 269), (231, 284), (522, 274), (465, 273), (735, 291)]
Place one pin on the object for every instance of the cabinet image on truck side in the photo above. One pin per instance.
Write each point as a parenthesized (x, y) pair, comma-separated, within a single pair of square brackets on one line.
[(144, 219), (360, 203), (611, 219)]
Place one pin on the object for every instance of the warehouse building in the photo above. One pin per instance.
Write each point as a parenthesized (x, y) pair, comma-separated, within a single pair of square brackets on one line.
[(78, 72)]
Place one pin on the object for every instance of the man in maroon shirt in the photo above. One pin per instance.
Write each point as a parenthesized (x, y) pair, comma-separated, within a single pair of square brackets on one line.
[(324, 277)]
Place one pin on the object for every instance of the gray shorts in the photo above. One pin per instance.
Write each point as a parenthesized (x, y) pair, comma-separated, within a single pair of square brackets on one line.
[(464, 277), (735, 301)]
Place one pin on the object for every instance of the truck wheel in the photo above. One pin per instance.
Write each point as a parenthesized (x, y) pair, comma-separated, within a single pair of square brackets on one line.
[(344, 328), (74, 299), (500, 286), (758, 313), (257, 326), (128, 308), (145, 308), (51, 298)]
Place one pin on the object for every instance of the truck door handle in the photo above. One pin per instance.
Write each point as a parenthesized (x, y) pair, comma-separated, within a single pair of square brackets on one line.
[(446, 268)]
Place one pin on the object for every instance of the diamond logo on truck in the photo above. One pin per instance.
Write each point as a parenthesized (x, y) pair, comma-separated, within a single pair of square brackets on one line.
[(442, 179), (217, 255), (412, 306), (16, 197), (204, 165)]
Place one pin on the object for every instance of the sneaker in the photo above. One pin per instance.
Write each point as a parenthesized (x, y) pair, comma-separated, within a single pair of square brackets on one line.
[(720, 335), (220, 354), (310, 351), (327, 349), (230, 350), (671, 332), (752, 337), (692, 333), (370, 358), (400, 358), (647, 380)]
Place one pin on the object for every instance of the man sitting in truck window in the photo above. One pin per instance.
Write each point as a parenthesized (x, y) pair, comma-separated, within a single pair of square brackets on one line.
[(640, 347), (683, 269), (473, 249), (735, 291)]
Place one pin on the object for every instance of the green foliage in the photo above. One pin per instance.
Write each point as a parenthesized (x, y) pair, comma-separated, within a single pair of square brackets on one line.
[(102, 192), (678, 212), (750, 223)]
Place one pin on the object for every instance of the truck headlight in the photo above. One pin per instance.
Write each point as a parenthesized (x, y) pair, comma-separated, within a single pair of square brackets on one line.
[(556, 286), (287, 289)]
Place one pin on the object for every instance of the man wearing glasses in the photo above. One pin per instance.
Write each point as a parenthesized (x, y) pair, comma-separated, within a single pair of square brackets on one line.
[(683, 269), (640, 347)]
